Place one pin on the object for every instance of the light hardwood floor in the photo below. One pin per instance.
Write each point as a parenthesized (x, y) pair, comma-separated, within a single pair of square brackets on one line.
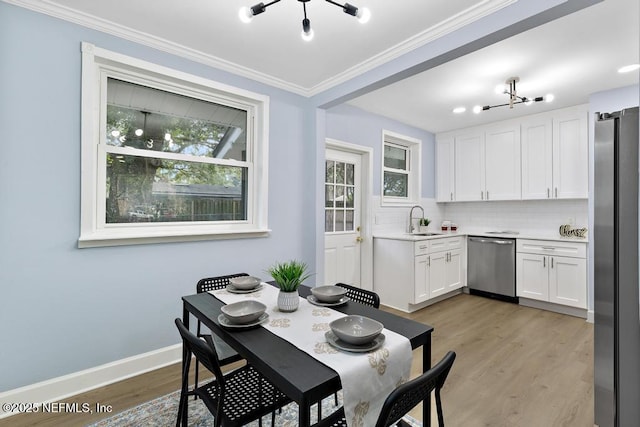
[(515, 366)]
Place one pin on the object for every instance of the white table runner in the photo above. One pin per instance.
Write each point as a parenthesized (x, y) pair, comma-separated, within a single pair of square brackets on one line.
[(367, 378)]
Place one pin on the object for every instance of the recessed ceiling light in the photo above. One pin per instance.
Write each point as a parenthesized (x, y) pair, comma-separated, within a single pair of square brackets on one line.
[(629, 68), (459, 110)]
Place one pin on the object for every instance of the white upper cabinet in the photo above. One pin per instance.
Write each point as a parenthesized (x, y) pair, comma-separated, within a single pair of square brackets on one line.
[(469, 166), (445, 179), (502, 163), (543, 156), (570, 154), (537, 158)]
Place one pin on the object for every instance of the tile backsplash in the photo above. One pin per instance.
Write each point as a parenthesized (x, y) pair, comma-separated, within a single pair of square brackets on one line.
[(521, 215)]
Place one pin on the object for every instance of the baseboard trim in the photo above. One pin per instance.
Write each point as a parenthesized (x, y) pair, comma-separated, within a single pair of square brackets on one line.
[(558, 308), (591, 316), (75, 383)]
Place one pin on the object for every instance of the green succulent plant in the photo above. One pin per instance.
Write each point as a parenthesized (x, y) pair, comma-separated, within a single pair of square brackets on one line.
[(289, 275)]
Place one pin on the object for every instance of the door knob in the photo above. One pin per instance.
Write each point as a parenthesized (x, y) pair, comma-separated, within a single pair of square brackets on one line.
[(359, 239)]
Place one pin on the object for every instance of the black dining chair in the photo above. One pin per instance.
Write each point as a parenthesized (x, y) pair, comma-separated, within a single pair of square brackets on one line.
[(405, 397), (226, 354), (362, 296), (235, 399)]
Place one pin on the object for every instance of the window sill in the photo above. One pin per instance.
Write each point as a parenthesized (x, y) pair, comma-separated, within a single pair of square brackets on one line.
[(398, 203), (142, 237)]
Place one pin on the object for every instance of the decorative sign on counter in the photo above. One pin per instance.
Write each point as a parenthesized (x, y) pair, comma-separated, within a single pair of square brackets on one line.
[(567, 231)]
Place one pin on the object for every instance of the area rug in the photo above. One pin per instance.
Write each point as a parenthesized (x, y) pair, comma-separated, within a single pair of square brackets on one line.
[(162, 412)]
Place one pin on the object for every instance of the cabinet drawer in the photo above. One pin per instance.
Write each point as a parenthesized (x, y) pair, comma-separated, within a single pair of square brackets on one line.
[(551, 247), (421, 247), (445, 243)]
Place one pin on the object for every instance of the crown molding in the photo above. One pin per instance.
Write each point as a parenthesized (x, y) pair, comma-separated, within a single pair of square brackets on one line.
[(467, 16)]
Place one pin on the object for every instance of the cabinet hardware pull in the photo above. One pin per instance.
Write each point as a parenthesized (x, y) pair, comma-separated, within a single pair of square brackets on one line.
[(487, 195), (482, 195), (544, 262), (548, 248), (429, 261), (551, 262), (548, 193), (556, 192), (423, 247), (451, 196)]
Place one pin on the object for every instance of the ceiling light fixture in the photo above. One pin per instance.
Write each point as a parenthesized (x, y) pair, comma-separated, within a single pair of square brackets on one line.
[(629, 68), (363, 14), (459, 110), (514, 98)]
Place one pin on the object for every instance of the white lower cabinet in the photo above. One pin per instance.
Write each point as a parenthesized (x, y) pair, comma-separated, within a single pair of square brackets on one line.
[(552, 271), (407, 273)]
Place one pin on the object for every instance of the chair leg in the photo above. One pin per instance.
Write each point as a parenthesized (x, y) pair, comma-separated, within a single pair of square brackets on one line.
[(439, 409), (195, 396), (335, 398)]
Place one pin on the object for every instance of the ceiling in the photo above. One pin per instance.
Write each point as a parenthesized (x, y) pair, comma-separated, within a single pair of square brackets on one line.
[(571, 57)]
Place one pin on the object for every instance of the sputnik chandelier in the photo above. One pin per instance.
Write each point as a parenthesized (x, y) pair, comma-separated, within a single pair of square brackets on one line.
[(363, 14), (514, 98)]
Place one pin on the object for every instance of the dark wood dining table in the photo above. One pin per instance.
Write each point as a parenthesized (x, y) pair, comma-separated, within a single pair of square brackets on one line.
[(300, 376)]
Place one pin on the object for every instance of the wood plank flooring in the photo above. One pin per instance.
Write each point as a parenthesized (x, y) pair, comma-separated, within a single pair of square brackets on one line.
[(515, 366)]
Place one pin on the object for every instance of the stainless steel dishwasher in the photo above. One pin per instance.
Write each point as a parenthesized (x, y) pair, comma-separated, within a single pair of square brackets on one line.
[(491, 265)]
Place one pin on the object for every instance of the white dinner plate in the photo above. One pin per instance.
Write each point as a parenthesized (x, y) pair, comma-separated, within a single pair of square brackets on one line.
[(234, 290), (313, 300), (227, 324), (334, 341)]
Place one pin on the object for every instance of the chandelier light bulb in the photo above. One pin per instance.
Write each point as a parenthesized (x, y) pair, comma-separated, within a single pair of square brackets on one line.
[(477, 109), (529, 101), (307, 36), (245, 14), (549, 97), (363, 15)]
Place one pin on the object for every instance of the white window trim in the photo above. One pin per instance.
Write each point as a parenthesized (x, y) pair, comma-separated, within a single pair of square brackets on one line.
[(98, 63), (414, 147)]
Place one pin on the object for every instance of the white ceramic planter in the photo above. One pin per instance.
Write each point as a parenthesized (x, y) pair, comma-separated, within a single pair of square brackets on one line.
[(288, 301)]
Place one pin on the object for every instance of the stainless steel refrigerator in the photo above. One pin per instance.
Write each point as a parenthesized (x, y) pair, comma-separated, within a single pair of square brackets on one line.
[(617, 300)]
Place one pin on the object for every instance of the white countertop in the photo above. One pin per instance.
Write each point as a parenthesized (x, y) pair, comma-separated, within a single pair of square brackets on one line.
[(535, 235)]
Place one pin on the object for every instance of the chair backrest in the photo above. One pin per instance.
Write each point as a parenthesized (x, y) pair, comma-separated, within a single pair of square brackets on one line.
[(215, 283), (406, 396), (361, 295), (202, 349)]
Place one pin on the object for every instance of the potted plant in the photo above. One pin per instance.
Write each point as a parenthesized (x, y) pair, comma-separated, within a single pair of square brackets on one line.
[(423, 223), (289, 276)]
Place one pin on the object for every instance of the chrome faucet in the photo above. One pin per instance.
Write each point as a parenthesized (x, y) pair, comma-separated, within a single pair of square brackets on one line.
[(411, 216)]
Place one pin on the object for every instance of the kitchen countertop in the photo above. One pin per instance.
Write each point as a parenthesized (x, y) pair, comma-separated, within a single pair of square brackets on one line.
[(533, 235)]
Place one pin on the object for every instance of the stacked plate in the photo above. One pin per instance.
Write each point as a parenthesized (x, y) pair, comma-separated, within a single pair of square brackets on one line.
[(243, 314), (328, 296), (355, 333), (244, 284)]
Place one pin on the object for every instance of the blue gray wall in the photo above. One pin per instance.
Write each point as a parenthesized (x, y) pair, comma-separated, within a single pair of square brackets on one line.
[(351, 124), (64, 309)]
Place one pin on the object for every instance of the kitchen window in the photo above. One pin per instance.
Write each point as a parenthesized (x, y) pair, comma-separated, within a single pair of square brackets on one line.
[(167, 156), (400, 170)]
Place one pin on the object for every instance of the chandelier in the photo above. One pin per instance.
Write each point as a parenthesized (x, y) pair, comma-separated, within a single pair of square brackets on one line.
[(514, 98), (363, 14)]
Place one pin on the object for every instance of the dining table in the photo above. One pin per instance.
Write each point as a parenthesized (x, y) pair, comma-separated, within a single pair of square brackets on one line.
[(300, 376)]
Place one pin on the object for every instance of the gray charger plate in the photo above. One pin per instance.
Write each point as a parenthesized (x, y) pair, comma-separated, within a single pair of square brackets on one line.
[(232, 289), (222, 319), (313, 300), (336, 342)]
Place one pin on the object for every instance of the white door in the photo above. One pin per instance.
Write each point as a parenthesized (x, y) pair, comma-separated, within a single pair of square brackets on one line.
[(532, 277), (445, 167), (567, 281), (342, 213), (469, 167), (502, 163)]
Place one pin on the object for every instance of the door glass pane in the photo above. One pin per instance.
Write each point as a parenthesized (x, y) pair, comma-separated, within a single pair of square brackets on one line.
[(329, 171), (339, 196), (395, 157), (339, 220), (395, 184), (350, 169), (348, 225), (328, 220), (328, 196), (349, 197), (340, 170)]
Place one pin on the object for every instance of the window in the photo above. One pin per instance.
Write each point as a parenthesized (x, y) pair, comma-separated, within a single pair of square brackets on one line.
[(400, 170), (167, 156), (339, 187)]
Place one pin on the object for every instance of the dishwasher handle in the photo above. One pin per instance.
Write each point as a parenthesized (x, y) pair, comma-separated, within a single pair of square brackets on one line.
[(497, 242)]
